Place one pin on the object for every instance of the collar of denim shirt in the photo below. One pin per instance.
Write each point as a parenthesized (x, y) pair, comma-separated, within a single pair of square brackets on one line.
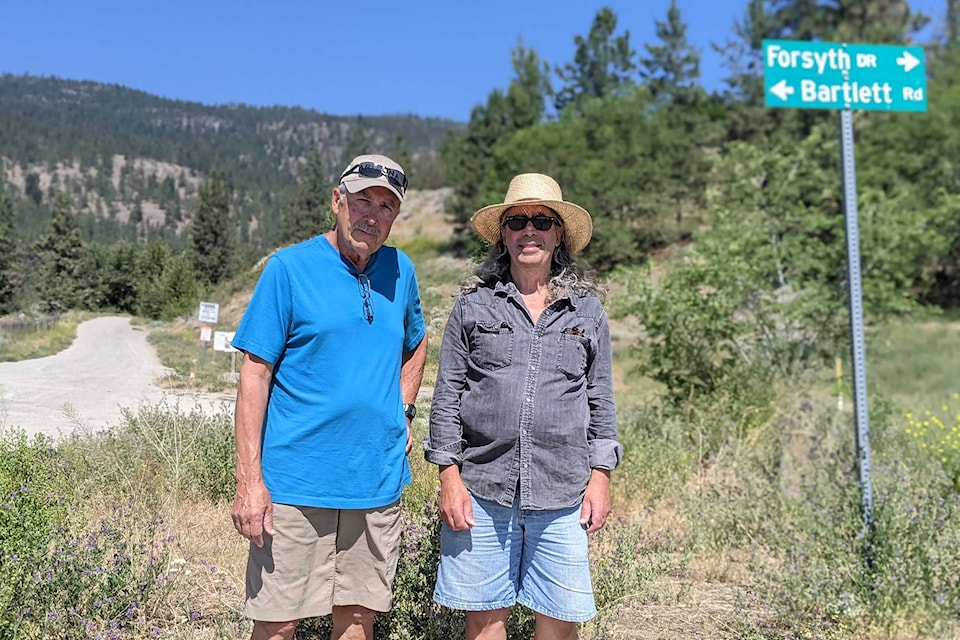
[(507, 288)]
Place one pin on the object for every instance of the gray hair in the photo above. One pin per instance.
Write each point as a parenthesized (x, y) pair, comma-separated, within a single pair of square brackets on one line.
[(565, 273)]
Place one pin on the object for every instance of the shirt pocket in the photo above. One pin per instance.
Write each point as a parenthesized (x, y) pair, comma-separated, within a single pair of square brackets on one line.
[(492, 345), (572, 360)]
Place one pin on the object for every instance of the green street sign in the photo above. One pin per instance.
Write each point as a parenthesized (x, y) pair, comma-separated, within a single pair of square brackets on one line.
[(832, 75)]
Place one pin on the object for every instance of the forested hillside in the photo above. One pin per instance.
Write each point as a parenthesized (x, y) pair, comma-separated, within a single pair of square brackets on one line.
[(133, 162)]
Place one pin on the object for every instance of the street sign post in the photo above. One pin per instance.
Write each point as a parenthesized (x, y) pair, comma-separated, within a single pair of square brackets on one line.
[(831, 75)]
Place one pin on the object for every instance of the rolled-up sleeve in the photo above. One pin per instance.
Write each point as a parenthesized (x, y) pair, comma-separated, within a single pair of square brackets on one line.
[(444, 445), (605, 452)]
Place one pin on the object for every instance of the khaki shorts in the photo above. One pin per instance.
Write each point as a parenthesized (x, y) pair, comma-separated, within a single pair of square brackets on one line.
[(322, 558)]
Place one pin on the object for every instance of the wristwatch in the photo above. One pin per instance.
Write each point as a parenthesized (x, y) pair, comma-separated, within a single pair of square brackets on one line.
[(410, 410)]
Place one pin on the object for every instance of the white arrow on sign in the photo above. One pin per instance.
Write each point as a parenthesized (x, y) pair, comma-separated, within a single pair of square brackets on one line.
[(781, 90), (907, 61)]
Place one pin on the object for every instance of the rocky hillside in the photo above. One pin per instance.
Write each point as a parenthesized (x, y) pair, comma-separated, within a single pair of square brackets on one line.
[(134, 158)]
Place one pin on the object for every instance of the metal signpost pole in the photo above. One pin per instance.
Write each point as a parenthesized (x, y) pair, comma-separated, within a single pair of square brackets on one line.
[(867, 77), (858, 350)]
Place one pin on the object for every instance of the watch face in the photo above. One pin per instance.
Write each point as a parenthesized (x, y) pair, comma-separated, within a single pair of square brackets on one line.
[(410, 410)]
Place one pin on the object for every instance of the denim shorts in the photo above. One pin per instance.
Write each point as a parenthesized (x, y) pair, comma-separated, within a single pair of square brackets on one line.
[(534, 558)]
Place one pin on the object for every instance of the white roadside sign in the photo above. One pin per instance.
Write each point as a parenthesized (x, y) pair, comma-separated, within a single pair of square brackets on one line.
[(222, 340), (209, 312)]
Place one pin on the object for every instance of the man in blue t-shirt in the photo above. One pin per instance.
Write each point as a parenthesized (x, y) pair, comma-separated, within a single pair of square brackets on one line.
[(334, 347)]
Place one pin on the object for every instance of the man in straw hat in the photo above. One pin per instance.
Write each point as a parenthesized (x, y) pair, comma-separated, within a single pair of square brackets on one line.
[(334, 346), (523, 424)]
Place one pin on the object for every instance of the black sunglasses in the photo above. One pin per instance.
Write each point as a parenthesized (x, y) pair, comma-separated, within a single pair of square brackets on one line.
[(374, 170), (540, 223)]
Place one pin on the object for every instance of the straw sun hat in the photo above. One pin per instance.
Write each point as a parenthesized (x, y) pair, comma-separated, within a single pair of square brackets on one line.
[(536, 188)]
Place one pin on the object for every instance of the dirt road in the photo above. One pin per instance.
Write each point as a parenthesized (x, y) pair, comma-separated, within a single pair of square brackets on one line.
[(110, 365)]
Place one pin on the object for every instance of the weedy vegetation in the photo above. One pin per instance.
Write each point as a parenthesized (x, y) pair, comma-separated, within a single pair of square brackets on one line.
[(737, 510)]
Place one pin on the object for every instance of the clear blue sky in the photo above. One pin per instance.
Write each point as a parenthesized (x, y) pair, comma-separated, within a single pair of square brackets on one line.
[(349, 57)]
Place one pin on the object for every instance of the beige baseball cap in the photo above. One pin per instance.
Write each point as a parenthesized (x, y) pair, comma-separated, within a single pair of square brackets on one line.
[(373, 170)]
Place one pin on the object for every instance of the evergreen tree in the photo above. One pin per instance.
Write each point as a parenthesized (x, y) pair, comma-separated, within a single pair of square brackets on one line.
[(120, 282), (876, 21), (60, 252), (674, 65), (32, 188), (8, 253), (91, 276), (400, 152), (357, 145), (180, 288), (212, 234), (468, 154), (743, 53), (953, 25), (166, 286), (602, 64), (309, 214), (528, 91)]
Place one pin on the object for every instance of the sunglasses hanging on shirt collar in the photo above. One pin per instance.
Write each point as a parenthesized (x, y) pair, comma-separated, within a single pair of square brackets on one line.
[(363, 281)]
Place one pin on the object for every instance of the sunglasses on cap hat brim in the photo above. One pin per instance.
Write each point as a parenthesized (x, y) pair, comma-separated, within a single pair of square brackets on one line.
[(373, 170)]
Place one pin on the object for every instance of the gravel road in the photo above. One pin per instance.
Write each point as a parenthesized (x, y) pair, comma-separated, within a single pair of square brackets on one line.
[(109, 365)]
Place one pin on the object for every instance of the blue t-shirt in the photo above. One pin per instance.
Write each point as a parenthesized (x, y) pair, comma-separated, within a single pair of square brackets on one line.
[(335, 434)]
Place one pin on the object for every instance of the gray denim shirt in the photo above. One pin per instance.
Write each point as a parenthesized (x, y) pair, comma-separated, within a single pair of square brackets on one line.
[(523, 405)]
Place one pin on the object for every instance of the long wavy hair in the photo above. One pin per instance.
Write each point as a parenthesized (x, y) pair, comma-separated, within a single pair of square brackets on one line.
[(565, 273)]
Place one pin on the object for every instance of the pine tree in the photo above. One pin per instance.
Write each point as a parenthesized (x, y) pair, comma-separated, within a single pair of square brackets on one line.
[(32, 189), (357, 144), (528, 91), (309, 214), (400, 152), (953, 25), (8, 253), (468, 154), (212, 234), (602, 64), (876, 21), (60, 253), (743, 54), (674, 65)]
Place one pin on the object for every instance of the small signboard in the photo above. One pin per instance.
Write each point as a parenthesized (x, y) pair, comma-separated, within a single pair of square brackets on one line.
[(833, 75), (209, 312), (222, 340), (205, 333)]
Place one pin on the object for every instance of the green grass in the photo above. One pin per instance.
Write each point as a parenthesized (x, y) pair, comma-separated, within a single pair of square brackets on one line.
[(914, 364), (30, 344)]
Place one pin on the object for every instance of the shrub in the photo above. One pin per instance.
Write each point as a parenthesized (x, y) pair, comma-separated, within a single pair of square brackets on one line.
[(59, 577), (938, 436), (98, 582), (822, 569)]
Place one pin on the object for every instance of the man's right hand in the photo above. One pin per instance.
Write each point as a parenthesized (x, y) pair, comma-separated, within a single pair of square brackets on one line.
[(455, 507), (253, 512)]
